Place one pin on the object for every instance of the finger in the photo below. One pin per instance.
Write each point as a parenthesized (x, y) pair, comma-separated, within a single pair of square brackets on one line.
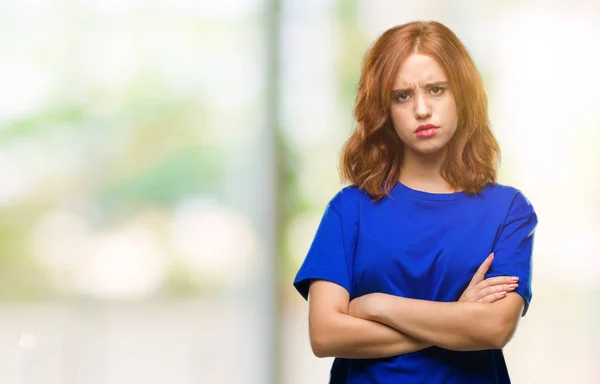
[(493, 297), (482, 270), (497, 281), (497, 288)]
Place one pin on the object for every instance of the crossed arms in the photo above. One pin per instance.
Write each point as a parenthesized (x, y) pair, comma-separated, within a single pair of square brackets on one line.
[(381, 325)]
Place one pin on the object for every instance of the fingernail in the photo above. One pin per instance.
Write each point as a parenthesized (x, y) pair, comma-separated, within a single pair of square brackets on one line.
[(502, 293), (513, 286), (515, 278)]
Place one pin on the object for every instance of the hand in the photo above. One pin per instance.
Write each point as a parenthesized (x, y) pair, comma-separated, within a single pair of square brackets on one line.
[(364, 307), (489, 290)]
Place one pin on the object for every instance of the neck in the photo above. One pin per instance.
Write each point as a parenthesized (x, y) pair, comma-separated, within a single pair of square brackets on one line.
[(423, 172)]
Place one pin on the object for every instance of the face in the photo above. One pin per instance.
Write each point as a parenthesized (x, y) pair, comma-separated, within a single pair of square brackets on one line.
[(423, 108)]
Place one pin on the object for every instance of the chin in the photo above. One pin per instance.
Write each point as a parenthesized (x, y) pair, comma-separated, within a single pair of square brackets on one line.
[(427, 149)]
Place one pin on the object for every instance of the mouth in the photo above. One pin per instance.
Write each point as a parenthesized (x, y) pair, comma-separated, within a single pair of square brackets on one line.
[(427, 130), (425, 127)]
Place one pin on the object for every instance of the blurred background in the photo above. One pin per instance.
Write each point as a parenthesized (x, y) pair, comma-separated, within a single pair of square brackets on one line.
[(164, 166)]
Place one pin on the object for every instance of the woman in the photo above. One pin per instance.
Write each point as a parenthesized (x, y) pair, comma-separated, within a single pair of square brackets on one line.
[(420, 270)]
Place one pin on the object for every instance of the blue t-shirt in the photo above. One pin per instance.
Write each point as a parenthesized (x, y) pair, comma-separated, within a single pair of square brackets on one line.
[(426, 246)]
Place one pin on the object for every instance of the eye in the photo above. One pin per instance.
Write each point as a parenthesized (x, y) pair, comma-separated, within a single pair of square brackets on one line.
[(402, 96), (437, 90)]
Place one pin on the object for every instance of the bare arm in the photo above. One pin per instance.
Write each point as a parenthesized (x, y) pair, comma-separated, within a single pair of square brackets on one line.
[(461, 326), (342, 329), (335, 333)]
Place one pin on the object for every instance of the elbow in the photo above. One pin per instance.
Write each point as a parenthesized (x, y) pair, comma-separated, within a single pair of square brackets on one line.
[(501, 334), (324, 336), (320, 345), (321, 337)]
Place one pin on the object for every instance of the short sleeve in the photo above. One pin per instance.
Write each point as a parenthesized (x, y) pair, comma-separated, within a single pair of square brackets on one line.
[(326, 257), (514, 247)]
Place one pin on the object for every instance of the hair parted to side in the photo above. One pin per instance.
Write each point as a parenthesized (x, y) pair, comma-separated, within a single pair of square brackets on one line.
[(371, 159)]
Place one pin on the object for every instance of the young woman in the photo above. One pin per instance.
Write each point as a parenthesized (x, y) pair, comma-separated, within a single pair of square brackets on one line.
[(420, 270)]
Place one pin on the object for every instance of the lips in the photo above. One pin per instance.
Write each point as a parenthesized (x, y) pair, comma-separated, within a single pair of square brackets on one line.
[(426, 131), (425, 127)]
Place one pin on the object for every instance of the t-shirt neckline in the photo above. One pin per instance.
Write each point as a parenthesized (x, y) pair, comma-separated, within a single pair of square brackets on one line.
[(405, 190)]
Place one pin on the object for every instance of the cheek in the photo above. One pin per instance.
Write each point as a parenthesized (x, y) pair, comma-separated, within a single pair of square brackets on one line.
[(450, 112), (400, 119), (448, 115)]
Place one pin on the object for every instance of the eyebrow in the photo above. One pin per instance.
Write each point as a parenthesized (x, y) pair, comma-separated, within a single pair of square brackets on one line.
[(423, 85)]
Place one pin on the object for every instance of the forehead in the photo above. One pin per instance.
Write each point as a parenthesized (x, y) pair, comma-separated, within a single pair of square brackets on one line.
[(419, 69)]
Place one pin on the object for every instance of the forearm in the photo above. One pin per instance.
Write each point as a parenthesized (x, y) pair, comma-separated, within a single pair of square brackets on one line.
[(460, 326), (350, 337)]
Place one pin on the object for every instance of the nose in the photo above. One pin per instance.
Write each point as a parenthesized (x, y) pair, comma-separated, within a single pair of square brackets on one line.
[(422, 108)]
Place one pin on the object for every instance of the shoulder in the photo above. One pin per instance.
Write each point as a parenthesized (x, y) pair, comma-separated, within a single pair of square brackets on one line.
[(348, 200), (508, 198), (505, 193)]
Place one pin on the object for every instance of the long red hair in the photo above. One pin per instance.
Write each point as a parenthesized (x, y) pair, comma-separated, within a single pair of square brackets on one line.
[(372, 157)]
